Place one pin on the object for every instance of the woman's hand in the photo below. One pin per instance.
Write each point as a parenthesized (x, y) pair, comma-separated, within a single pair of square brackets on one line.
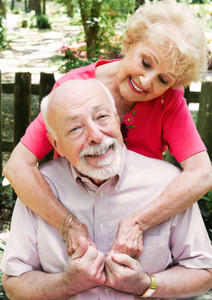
[(77, 229), (129, 237)]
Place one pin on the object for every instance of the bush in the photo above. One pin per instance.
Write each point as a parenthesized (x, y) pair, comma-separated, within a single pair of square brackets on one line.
[(42, 22), (205, 204)]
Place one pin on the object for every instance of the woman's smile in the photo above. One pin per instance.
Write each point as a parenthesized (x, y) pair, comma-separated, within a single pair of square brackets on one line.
[(134, 86)]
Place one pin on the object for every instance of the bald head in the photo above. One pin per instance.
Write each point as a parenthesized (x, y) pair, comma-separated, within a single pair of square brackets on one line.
[(71, 92)]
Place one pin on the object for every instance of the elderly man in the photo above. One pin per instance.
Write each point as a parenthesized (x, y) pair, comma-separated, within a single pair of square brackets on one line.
[(101, 183)]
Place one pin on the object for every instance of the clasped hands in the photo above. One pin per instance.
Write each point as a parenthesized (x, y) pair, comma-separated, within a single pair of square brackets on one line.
[(88, 268)]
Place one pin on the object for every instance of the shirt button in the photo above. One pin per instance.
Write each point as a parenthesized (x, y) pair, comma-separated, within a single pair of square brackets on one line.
[(106, 291), (101, 227), (101, 194)]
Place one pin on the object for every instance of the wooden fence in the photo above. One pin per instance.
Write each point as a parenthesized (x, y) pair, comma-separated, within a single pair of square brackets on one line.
[(22, 90)]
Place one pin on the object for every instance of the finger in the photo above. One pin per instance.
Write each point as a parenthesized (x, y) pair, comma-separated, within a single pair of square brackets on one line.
[(91, 242), (136, 249), (99, 261), (69, 249), (82, 249), (108, 274), (124, 260), (90, 255), (112, 266)]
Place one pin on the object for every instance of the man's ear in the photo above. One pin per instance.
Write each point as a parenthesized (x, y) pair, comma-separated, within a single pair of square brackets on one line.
[(117, 117), (54, 143)]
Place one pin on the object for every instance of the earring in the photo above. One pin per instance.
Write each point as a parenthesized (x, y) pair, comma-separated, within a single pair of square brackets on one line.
[(162, 101)]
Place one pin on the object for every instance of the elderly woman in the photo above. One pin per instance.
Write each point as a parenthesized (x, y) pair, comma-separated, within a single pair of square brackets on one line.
[(164, 50)]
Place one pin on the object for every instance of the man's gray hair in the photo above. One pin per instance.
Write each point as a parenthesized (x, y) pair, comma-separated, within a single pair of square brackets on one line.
[(45, 105)]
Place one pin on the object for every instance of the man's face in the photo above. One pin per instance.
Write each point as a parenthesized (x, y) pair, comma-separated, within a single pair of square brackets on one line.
[(88, 133)]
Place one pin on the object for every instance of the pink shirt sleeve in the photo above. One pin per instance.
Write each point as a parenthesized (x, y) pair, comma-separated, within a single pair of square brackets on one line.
[(179, 130)]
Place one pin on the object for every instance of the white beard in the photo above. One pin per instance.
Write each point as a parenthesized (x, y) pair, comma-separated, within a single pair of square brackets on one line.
[(106, 168)]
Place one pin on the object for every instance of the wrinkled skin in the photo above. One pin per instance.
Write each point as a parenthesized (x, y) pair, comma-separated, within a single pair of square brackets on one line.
[(77, 230), (125, 274), (128, 238), (85, 269)]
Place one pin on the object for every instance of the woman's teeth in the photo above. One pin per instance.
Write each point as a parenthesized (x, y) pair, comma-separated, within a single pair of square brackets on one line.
[(136, 87)]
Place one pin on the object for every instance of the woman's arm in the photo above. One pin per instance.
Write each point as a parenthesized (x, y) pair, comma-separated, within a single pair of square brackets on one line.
[(33, 190), (182, 192)]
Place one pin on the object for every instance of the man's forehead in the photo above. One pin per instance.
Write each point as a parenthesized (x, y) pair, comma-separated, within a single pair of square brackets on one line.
[(92, 108)]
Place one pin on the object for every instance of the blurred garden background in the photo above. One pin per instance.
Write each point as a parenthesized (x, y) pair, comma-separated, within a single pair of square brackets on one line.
[(57, 36)]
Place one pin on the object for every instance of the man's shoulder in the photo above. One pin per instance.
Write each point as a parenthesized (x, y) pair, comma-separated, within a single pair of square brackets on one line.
[(55, 168), (137, 163)]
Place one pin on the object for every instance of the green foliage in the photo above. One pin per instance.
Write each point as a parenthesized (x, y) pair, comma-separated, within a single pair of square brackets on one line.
[(6, 203), (42, 22), (28, 20), (205, 204), (3, 39), (111, 25), (32, 20)]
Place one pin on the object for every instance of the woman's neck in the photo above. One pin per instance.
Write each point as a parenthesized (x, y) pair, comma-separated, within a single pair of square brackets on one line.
[(108, 75)]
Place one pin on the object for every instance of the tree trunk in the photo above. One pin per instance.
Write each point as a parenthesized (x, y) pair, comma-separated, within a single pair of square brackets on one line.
[(2, 8), (90, 13), (70, 9), (44, 7), (12, 4), (204, 122), (35, 5)]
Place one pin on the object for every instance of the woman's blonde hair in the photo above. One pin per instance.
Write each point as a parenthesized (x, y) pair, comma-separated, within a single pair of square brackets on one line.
[(177, 34)]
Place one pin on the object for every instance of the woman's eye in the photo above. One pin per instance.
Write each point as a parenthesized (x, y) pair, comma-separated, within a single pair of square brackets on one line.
[(163, 80), (146, 63)]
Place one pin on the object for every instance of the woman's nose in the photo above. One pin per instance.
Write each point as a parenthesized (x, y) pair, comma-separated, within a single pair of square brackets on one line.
[(147, 81)]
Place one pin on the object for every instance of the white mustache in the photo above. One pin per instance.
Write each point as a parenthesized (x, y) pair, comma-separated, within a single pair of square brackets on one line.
[(100, 149)]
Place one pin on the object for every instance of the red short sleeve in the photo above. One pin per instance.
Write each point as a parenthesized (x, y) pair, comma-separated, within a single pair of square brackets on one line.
[(35, 138), (179, 130)]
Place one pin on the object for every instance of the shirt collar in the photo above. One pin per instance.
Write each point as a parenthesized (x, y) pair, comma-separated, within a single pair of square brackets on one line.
[(83, 181)]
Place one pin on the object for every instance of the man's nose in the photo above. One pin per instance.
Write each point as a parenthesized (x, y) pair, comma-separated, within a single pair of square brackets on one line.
[(95, 135)]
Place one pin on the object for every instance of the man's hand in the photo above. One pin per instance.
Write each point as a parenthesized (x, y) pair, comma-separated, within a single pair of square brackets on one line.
[(77, 229), (129, 238), (85, 269), (125, 274)]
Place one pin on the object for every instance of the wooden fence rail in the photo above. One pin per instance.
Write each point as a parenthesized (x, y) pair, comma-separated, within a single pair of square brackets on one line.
[(22, 90)]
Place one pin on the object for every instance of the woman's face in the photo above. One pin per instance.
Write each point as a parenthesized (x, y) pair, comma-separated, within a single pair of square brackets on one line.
[(143, 75)]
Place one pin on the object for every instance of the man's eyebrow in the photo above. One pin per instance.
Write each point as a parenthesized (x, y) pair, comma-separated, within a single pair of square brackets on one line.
[(71, 118), (98, 107)]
